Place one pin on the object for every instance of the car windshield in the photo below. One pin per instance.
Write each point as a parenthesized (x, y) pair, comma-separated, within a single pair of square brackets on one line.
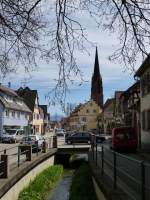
[(11, 132)]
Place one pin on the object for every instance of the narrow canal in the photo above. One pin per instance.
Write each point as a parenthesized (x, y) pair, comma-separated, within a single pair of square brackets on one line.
[(61, 191)]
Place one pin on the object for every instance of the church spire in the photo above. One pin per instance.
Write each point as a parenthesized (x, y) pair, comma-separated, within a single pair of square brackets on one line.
[(97, 85), (96, 64)]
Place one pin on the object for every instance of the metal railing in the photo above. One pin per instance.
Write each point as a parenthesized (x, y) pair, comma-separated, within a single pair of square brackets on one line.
[(19, 154), (131, 175)]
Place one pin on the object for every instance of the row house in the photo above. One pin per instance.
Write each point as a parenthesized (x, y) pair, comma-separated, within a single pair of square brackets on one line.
[(14, 113), (39, 117), (143, 73), (85, 116), (108, 115), (117, 109), (130, 108)]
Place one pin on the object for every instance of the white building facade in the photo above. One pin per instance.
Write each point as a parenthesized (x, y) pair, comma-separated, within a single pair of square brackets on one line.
[(14, 113)]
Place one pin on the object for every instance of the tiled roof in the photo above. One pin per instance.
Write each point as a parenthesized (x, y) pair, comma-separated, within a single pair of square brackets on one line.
[(15, 103), (134, 87), (29, 96), (145, 65), (44, 108), (7, 91), (109, 104)]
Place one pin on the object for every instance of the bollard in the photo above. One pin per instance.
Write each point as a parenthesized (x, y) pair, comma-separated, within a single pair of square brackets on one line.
[(4, 151), (37, 147), (44, 146), (4, 158), (29, 153), (54, 141), (19, 152)]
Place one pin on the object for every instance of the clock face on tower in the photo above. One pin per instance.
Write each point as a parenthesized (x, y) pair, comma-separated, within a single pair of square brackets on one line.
[(96, 84)]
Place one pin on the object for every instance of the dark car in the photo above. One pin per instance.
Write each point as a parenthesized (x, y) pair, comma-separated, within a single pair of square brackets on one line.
[(100, 138), (79, 137)]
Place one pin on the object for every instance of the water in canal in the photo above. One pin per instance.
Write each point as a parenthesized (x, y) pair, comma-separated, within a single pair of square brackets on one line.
[(61, 191)]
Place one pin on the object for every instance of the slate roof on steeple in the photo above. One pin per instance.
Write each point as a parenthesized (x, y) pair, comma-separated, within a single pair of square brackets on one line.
[(96, 65)]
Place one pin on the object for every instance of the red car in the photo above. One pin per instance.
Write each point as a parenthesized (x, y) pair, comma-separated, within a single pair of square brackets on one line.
[(124, 138)]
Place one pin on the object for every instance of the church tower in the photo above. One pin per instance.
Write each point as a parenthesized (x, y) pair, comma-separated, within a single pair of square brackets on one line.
[(97, 85)]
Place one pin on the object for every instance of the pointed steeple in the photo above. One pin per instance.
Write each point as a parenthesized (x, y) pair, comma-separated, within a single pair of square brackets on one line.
[(97, 85), (96, 64)]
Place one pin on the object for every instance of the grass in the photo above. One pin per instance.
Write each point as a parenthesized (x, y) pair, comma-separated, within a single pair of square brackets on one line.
[(39, 188), (82, 186)]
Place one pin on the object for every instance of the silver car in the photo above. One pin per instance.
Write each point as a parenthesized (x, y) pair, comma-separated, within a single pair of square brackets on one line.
[(13, 135)]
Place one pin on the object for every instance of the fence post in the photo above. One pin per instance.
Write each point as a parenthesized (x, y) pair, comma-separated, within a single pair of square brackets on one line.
[(93, 151), (54, 141), (115, 170), (28, 153), (5, 166), (142, 181), (102, 160), (37, 147), (44, 147), (19, 155), (96, 154)]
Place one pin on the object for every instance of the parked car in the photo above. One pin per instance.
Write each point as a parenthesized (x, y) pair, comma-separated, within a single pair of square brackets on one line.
[(2, 134), (100, 138), (124, 139), (34, 140), (13, 135), (60, 132), (79, 137)]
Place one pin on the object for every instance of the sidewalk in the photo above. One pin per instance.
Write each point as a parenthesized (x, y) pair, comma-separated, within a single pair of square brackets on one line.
[(105, 183), (144, 154)]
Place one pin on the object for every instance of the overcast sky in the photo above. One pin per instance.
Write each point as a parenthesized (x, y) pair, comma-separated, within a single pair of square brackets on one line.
[(113, 74)]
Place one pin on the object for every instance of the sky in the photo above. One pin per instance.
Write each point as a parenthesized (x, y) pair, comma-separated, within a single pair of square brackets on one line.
[(113, 74)]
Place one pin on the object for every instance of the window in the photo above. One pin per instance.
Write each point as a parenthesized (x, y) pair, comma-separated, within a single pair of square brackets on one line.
[(37, 128), (13, 114), (145, 84), (148, 120), (18, 114), (94, 111), (26, 116), (7, 113), (84, 119), (37, 116), (87, 111)]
